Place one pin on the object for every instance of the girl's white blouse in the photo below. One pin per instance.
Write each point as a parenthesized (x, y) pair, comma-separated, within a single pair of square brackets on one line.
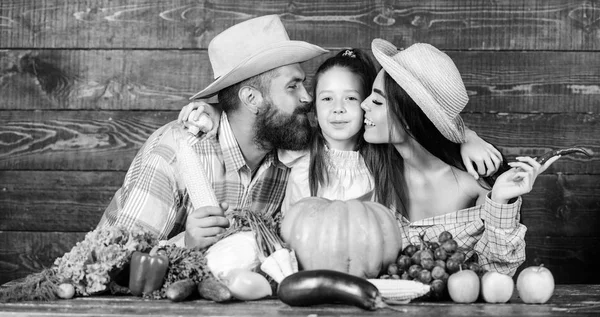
[(349, 177)]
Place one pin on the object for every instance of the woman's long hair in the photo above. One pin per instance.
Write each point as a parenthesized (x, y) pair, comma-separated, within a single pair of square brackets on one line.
[(405, 114)]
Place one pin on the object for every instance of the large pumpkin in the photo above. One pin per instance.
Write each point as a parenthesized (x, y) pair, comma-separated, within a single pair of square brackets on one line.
[(356, 237)]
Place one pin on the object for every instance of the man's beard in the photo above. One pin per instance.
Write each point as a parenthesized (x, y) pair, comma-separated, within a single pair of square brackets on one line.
[(277, 130)]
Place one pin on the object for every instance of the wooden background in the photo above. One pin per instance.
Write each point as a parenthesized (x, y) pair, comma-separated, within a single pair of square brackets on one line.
[(84, 83)]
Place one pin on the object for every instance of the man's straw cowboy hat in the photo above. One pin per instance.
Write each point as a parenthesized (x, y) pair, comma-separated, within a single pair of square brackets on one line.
[(250, 48)]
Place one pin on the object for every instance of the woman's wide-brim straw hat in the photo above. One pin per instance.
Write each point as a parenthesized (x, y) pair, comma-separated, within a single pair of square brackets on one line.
[(431, 79), (250, 48)]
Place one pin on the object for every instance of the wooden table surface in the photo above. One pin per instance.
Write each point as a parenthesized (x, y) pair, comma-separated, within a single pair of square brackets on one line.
[(568, 300)]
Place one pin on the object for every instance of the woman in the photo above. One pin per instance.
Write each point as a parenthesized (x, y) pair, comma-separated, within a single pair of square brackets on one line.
[(414, 105)]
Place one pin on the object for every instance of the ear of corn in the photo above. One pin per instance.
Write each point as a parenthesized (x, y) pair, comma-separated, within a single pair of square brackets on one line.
[(400, 291), (193, 174)]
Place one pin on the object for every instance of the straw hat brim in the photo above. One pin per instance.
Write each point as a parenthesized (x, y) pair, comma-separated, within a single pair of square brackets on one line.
[(451, 128), (271, 57)]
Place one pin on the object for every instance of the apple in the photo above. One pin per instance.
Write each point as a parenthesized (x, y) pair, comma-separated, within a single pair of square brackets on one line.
[(535, 285), (496, 287), (463, 286)]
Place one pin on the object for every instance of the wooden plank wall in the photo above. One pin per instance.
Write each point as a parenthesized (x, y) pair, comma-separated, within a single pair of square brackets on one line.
[(84, 83)]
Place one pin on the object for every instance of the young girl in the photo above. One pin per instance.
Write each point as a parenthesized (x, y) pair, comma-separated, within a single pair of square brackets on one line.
[(340, 164), (414, 105), (334, 167)]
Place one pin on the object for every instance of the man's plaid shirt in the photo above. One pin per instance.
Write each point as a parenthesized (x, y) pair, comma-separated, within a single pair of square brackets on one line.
[(153, 194)]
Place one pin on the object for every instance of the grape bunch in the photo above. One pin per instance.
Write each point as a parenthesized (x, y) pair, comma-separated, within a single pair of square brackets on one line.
[(432, 263)]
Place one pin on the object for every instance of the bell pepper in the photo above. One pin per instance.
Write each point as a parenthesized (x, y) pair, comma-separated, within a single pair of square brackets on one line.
[(147, 272)]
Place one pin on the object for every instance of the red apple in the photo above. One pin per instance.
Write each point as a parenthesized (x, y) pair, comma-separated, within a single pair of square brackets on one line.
[(463, 286), (496, 287), (535, 285)]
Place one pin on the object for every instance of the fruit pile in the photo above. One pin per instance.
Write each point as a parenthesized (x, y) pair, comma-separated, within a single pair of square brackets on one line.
[(432, 263)]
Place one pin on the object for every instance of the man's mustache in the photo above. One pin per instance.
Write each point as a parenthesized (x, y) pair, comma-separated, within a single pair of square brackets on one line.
[(304, 109)]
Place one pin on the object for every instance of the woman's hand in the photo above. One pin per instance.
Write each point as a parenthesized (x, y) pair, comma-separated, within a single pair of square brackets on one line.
[(476, 152), (199, 116), (519, 179)]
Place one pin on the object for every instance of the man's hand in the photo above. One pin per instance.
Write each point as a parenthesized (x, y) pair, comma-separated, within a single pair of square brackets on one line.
[(204, 224), (478, 153)]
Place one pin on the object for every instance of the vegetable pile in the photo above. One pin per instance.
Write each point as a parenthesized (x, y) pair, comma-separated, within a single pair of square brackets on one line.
[(90, 266), (249, 261), (118, 260)]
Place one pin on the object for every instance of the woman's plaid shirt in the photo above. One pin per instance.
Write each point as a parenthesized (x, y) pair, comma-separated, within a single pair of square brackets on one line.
[(491, 229)]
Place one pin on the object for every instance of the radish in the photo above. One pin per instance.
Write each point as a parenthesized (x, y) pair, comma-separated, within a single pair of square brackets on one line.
[(65, 291), (277, 260)]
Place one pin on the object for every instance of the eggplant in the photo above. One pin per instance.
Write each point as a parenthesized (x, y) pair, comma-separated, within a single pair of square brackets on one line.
[(315, 287), (566, 151)]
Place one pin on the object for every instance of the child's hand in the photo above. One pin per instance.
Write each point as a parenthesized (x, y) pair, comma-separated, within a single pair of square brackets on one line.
[(200, 116), (479, 153), (519, 179)]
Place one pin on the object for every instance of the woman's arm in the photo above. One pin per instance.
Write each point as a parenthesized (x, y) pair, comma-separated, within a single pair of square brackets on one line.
[(501, 247), (199, 116), (519, 179)]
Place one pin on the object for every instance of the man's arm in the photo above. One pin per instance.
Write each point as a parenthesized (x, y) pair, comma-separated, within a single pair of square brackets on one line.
[(479, 156), (147, 197)]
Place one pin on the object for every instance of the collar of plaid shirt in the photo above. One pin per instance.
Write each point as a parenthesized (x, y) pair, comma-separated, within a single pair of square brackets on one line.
[(235, 183), (232, 155)]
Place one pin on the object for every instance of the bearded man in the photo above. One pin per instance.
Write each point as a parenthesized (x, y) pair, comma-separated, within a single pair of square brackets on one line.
[(260, 88)]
